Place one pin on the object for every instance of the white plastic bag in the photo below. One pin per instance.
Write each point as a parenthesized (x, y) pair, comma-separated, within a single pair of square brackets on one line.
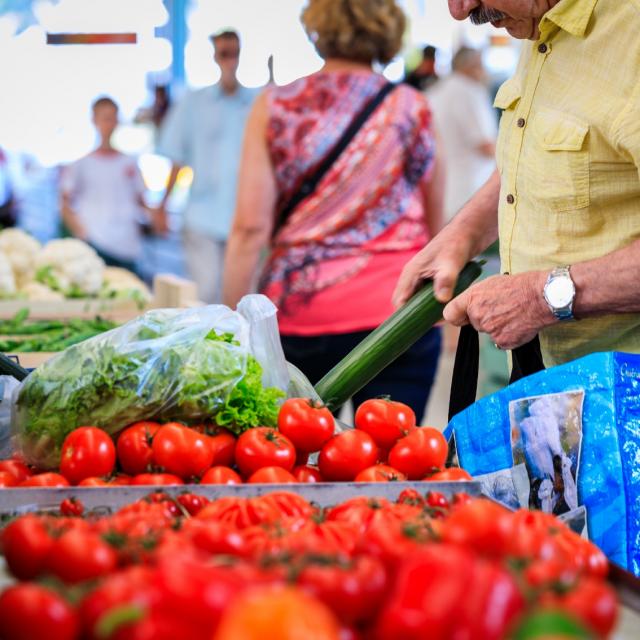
[(207, 364)]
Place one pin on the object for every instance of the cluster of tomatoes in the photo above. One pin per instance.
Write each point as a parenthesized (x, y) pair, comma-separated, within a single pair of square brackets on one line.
[(277, 566), (385, 445)]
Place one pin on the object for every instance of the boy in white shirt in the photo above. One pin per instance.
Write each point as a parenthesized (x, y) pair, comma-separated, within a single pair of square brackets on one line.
[(103, 196)]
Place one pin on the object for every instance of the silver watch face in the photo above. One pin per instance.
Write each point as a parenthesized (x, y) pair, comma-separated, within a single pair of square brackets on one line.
[(559, 292)]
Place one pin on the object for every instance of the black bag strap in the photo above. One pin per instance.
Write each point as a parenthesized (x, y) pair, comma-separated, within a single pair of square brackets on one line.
[(309, 184), (527, 360)]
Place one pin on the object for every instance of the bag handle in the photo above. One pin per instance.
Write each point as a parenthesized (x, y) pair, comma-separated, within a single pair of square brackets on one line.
[(527, 360), (309, 184)]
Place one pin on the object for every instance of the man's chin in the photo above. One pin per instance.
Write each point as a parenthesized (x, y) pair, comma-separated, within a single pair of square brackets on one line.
[(520, 29)]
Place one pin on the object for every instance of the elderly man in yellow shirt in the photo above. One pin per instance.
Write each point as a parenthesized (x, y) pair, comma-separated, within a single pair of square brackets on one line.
[(565, 199)]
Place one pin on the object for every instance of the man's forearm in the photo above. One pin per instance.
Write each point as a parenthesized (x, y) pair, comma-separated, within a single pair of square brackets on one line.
[(171, 181), (608, 284), (72, 222), (476, 224)]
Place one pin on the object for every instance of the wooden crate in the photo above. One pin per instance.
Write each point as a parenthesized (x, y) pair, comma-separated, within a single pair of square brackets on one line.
[(169, 291)]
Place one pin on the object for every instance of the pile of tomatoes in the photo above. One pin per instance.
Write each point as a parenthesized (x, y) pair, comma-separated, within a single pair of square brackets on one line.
[(277, 566), (385, 445)]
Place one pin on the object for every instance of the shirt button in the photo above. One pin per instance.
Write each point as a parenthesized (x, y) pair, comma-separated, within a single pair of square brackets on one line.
[(510, 199), (521, 122), (542, 48)]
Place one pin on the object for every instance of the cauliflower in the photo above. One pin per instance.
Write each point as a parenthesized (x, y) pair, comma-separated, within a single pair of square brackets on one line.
[(70, 266), (7, 279), (121, 283), (20, 249), (37, 291)]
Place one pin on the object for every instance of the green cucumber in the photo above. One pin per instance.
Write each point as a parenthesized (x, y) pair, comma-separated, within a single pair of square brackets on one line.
[(390, 340)]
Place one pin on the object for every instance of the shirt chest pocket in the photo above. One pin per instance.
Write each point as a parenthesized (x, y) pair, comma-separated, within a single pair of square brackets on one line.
[(557, 165)]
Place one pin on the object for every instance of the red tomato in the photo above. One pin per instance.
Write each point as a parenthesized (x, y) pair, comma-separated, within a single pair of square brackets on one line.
[(411, 497), (592, 602), (158, 479), (16, 468), (353, 590), (452, 474), (264, 447), (480, 524), (346, 455), (289, 504), (48, 479), (418, 453), (241, 512), (223, 446), (214, 537), (80, 555), (325, 538), (134, 447), (272, 475), (380, 473), (306, 423), (121, 480), (181, 451), (71, 507), (220, 475), (135, 586), (385, 421), (192, 503), (307, 473), (87, 452), (26, 544), (7, 479), (93, 482), (31, 611), (437, 501)]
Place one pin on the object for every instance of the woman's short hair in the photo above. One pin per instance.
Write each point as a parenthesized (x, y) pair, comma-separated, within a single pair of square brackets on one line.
[(361, 30)]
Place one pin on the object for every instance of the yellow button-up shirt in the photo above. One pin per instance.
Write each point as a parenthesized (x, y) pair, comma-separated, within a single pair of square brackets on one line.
[(569, 157)]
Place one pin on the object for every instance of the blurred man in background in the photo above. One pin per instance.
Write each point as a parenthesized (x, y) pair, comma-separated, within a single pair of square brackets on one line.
[(424, 75), (204, 131), (467, 125), (103, 196)]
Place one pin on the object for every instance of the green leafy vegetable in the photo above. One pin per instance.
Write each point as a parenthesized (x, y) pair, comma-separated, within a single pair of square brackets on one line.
[(148, 369)]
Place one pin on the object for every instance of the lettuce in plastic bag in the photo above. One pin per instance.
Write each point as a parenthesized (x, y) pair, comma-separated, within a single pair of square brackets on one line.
[(191, 365)]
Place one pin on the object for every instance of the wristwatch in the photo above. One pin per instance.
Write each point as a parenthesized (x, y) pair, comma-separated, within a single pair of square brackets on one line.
[(560, 292)]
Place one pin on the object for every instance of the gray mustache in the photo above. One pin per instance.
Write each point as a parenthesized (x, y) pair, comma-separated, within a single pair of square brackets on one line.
[(482, 15)]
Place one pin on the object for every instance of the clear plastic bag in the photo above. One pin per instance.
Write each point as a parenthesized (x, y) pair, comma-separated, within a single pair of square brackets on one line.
[(207, 364)]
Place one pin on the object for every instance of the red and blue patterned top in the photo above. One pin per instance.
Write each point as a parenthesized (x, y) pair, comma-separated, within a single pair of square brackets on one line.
[(336, 261)]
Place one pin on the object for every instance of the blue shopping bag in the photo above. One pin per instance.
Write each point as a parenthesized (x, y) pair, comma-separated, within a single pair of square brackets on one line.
[(566, 440)]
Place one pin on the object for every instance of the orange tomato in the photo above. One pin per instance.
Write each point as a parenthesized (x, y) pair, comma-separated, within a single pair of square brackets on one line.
[(277, 613)]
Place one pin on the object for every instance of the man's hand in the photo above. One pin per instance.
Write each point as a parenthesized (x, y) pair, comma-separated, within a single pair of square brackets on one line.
[(441, 260), (160, 221), (511, 309)]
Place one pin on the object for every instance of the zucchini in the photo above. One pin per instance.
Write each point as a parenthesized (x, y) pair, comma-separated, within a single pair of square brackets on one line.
[(390, 340)]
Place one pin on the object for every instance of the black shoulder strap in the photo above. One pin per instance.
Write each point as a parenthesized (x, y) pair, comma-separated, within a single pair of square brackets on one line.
[(526, 360), (309, 184)]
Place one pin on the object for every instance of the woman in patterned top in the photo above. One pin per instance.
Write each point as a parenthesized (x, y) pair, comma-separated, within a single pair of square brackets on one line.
[(334, 263)]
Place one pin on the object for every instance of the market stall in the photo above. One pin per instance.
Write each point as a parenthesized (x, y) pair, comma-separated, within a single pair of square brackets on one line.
[(248, 463)]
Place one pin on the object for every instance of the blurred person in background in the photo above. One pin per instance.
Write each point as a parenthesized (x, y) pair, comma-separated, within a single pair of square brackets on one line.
[(424, 76), (103, 196), (204, 131), (335, 259), (8, 209), (466, 123)]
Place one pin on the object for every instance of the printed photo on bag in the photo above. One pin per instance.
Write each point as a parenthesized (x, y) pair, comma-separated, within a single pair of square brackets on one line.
[(500, 486), (546, 435)]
